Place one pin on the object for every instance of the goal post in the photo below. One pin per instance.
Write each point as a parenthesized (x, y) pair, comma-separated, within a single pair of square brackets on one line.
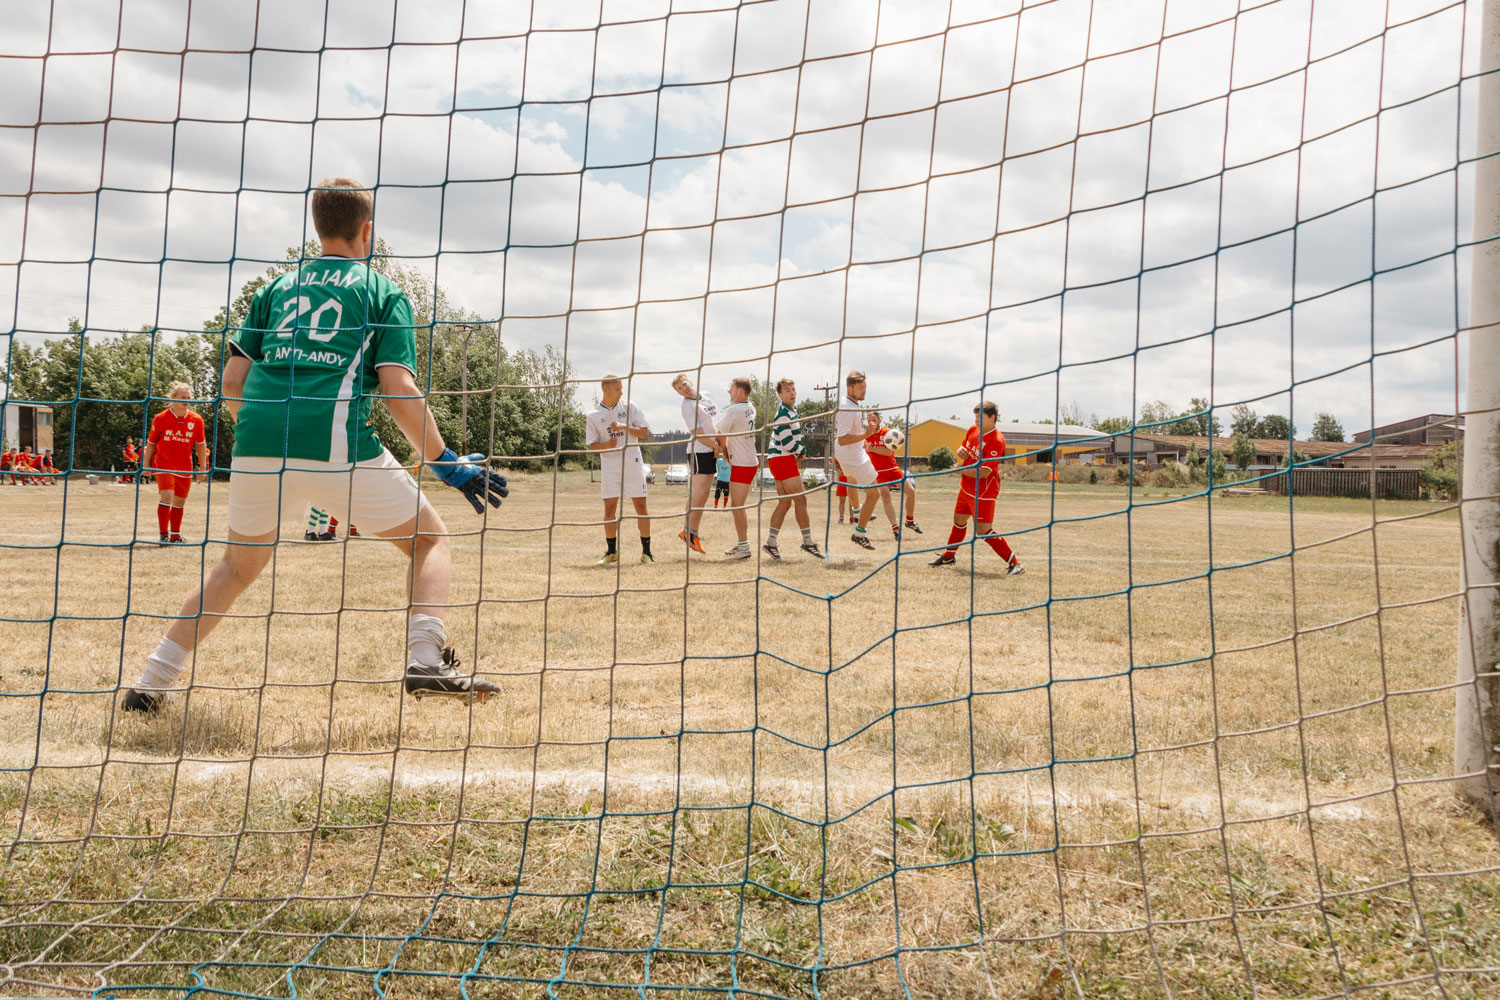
[(1477, 725)]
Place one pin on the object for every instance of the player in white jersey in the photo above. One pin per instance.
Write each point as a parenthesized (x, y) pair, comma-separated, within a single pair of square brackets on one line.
[(704, 446), (849, 441), (737, 428), (613, 429)]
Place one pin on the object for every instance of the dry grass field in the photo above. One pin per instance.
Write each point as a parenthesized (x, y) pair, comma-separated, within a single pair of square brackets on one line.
[(1200, 749)]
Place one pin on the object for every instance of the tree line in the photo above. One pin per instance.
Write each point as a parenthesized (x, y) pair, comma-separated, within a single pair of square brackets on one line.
[(1199, 420), (485, 397)]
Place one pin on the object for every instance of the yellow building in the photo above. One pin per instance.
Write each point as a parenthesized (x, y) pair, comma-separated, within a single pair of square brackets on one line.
[(1065, 443), (923, 438)]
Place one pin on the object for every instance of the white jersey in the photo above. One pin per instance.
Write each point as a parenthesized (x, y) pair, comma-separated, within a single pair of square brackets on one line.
[(702, 416), (737, 425), (623, 458), (850, 420)]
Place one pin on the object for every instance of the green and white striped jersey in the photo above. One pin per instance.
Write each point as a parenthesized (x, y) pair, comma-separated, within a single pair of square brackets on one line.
[(786, 432), (316, 338)]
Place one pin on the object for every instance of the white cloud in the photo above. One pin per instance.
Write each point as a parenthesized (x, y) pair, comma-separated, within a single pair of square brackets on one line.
[(449, 186)]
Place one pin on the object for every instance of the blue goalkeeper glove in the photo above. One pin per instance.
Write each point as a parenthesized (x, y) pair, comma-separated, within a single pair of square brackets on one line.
[(469, 476)]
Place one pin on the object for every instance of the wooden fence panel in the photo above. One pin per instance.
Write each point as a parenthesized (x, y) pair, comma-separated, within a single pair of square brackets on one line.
[(1390, 484)]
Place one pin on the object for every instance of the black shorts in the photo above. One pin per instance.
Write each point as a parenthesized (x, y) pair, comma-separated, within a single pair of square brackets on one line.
[(721, 488), (705, 464)]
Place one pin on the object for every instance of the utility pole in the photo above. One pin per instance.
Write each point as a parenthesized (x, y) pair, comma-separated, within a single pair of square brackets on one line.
[(827, 391)]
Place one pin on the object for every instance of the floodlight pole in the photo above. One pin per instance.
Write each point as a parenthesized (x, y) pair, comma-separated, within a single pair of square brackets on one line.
[(1476, 758)]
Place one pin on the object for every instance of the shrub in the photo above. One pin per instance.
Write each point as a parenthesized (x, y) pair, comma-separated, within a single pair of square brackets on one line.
[(1093, 476), (1171, 474), (1440, 477), (941, 458)]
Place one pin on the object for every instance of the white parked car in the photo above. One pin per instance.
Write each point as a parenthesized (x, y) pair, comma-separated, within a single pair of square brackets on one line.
[(766, 478), (814, 475), (677, 474), (650, 474)]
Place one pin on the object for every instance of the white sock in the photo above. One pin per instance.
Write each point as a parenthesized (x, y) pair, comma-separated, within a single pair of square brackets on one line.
[(771, 537), (424, 640), (807, 536), (164, 666)]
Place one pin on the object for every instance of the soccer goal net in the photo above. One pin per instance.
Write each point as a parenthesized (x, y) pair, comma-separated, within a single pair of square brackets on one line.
[(1157, 702)]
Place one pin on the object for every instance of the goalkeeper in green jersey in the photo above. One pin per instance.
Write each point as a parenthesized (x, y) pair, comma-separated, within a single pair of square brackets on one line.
[(319, 343)]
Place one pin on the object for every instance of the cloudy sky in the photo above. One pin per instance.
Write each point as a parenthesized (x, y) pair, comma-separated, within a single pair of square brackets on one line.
[(1058, 202)]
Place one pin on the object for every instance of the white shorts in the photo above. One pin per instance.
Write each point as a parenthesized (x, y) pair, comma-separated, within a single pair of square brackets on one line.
[(861, 474), (376, 495), (629, 482)]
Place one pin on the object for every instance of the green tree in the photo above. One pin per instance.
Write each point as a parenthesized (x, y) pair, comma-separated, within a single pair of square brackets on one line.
[(1327, 428), (1113, 425), (106, 386), (816, 417), (1293, 457), (941, 458), (1441, 477), (1275, 427), (1156, 412), (1243, 420), (1244, 450), (1197, 420)]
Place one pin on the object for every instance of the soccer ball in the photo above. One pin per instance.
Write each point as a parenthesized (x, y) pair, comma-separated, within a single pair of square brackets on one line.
[(894, 438)]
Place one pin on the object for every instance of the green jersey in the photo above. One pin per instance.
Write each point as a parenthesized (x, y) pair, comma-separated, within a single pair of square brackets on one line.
[(315, 338)]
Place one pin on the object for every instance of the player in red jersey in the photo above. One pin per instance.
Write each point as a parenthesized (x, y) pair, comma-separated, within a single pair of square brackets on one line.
[(889, 475), (45, 465), (176, 434), (6, 458), (131, 458), (979, 464)]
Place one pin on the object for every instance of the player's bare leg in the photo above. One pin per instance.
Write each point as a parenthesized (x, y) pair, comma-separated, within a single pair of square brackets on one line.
[(431, 666), (697, 499), (243, 559), (909, 495), (890, 510), (738, 494), (611, 532), (643, 522)]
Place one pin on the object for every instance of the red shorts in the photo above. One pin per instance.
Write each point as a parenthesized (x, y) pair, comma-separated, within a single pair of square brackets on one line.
[(783, 467), (982, 508), (178, 483), (840, 490), (889, 476), (742, 473)]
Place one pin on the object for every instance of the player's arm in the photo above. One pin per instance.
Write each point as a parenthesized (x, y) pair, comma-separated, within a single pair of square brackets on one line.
[(409, 409), (202, 450), (148, 456), (856, 436), (232, 383), (602, 445)]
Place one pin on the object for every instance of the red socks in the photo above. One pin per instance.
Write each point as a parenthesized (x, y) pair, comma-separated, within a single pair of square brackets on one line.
[(163, 515), (176, 520), (1002, 549), (954, 537)]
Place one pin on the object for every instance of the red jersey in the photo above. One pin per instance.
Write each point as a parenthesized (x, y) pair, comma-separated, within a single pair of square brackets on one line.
[(174, 438), (5, 459), (882, 463), (989, 460)]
